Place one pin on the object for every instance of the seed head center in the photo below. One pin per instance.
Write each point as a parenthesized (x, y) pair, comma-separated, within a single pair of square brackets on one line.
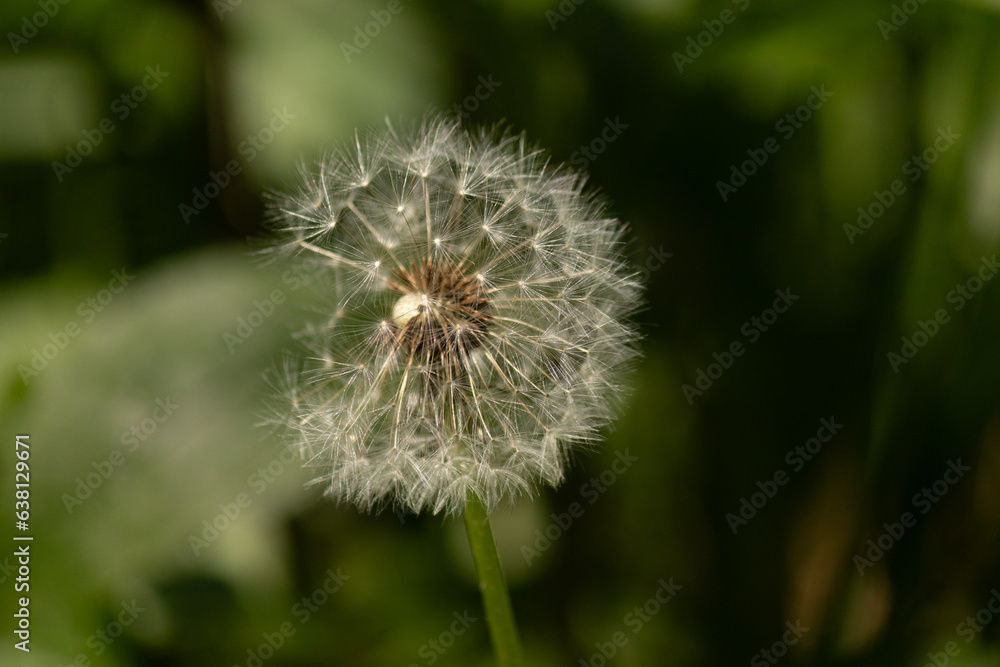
[(441, 311), (409, 306)]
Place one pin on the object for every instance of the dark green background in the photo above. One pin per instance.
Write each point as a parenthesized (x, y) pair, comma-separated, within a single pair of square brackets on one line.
[(561, 81)]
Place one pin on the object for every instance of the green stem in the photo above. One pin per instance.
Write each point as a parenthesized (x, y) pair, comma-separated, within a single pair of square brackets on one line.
[(492, 585)]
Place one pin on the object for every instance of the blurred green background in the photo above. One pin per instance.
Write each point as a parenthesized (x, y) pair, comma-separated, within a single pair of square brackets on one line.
[(739, 141)]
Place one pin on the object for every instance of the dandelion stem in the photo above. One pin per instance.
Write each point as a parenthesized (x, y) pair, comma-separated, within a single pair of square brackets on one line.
[(492, 585)]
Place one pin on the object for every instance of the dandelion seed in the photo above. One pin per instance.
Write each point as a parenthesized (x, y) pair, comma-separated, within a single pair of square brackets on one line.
[(481, 325)]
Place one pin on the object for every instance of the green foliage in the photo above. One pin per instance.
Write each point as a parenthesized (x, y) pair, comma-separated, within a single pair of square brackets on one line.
[(719, 217)]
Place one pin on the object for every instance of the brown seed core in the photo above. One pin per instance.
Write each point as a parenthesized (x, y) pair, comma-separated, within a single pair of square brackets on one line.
[(442, 314)]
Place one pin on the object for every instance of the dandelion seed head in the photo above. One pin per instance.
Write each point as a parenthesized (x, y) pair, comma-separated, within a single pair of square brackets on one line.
[(480, 318)]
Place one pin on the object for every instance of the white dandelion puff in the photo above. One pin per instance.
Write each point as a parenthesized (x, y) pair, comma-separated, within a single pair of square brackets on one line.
[(479, 318)]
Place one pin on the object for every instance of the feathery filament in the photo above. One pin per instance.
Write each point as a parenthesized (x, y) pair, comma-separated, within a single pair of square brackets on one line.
[(479, 325)]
